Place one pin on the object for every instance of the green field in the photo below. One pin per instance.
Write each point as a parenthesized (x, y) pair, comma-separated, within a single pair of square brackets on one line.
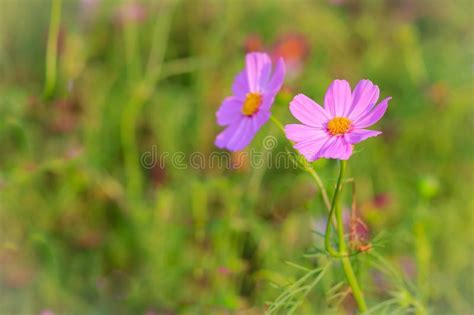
[(91, 89)]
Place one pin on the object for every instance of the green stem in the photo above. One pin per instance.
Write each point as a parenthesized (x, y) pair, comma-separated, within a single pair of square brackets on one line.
[(354, 284), (342, 253), (308, 168), (334, 206), (52, 49), (320, 185), (277, 123)]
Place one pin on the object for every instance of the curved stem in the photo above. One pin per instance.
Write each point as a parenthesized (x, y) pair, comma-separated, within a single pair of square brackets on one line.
[(277, 123), (334, 206), (308, 168), (342, 253), (320, 185)]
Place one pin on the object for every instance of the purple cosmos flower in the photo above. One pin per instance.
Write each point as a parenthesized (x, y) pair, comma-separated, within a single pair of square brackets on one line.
[(330, 132), (248, 109)]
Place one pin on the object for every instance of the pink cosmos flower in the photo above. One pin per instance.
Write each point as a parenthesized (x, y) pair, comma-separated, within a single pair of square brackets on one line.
[(245, 112), (331, 132)]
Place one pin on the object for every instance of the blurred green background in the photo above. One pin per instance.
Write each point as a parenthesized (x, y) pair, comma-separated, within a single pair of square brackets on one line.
[(85, 228)]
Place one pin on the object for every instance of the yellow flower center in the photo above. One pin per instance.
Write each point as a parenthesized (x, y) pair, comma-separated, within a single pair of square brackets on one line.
[(338, 126), (251, 104)]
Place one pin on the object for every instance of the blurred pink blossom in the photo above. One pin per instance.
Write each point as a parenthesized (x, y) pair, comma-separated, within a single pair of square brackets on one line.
[(223, 270), (130, 13), (382, 200), (253, 43)]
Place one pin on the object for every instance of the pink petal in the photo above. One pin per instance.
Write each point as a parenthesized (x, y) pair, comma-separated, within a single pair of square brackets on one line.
[(310, 148), (258, 67), (374, 116), (338, 98), (260, 118), (308, 111), (297, 132), (358, 135), (223, 138), (278, 77), (265, 76), (242, 135), (364, 97), (229, 111), (267, 102), (336, 148), (240, 87)]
